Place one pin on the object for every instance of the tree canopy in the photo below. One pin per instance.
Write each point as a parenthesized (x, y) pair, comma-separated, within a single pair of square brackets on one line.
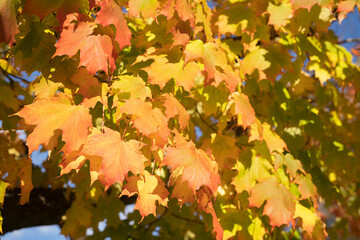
[(216, 119)]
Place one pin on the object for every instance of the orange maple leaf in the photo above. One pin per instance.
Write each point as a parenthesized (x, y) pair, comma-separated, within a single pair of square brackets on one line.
[(199, 170), (204, 203), (8, 23), (111, 13), (173, 108), (150, 122), (56, 113), (96, 51), (89, 87), (243, 108), (118, 156), (150, 189)]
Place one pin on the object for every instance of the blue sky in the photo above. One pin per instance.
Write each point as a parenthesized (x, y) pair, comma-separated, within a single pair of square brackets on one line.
[(349, 28)]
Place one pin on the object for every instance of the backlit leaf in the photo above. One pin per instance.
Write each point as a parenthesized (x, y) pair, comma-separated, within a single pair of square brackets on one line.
[(61, 114)]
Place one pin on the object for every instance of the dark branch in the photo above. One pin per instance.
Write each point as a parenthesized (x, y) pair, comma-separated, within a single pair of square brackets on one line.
[(203, 120), (187, 219), (45, 207), (349, 40), (12, 76)]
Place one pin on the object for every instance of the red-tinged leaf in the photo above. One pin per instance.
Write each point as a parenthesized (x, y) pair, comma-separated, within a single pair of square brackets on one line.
[(25, 175), (186, 77), (111, 13), (205, 204), (184, 10), (292, 165), (97, 54), (346, 6), (151, 189), (256, 131), (96, 51), (61, 114), (231, 78), (8, 22), (303, 4), (167, 8), (280, 203), (73, 37), (118, 156), (72, 161), (150, 122), (306, 187), (173, 108), (243, 109), (90, 88), (199, 170), (147, 8), (41, 8), (273, 141)]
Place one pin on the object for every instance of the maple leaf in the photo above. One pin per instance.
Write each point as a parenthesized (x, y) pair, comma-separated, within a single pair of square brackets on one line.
[(243, 109), (173, 108), (303, 4), (3, 187), (8, 22), (198, 169), (279, 14), (307, 188), (97, 54), (96, 51), (184, 10), (246, 178), (186, 76), (255, 60), (223, 147), (26, 184), (61, 114), (181, 190), (78, 219), (280, 203), (150, 122), (209, 53), (147, 8), (292, 165), (273, 141), (118, 156), (151, 189), (133, 85), (204, 203), (73, 37), (111, 13), (90, 88), (161, 71), (310, 221)]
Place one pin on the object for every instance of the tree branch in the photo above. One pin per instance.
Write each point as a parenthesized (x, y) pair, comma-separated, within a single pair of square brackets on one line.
[(349, 40), (46, 207), (187, 219)]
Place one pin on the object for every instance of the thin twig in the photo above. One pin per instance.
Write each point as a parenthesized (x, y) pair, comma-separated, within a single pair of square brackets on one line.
[(155, 221), (349, 40), (203, 120), (187, 219), (9, 75)]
